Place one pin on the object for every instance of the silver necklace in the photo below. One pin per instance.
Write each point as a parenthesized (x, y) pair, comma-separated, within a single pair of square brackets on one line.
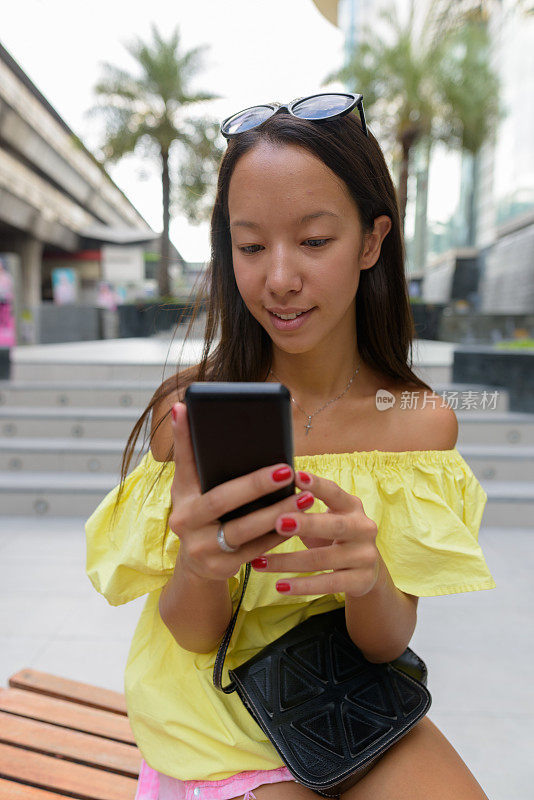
[(308, 425)]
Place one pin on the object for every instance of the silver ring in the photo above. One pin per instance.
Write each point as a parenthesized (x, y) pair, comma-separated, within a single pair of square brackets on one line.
[(223, 544)]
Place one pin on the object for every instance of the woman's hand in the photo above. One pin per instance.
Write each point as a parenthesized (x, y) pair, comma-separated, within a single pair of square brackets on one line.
[(195, 516), (342, 539)]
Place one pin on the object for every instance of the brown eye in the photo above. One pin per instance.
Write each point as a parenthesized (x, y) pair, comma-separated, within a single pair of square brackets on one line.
[(316, 242), (247, 249)]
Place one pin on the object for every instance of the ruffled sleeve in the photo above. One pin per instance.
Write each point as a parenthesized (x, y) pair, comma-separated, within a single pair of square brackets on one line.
[(428, 507), (430, 524), (133, 552)]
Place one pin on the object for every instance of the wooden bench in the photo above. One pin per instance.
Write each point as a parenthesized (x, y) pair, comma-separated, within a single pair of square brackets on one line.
[(60, 738)]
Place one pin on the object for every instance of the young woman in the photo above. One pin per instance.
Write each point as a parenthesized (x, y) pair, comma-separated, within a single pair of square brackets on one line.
[(307, 285)]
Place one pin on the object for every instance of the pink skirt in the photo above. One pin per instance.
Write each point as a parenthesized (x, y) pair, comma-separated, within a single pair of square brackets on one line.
[(154, 785)]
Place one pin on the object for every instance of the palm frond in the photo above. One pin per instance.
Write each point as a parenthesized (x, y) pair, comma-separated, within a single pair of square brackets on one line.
[(143, 112)]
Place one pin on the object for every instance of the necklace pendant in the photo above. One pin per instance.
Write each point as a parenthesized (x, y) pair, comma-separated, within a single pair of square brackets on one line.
[(308, 427)]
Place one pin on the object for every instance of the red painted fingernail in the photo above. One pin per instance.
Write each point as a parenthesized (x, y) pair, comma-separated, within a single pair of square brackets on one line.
[(173, 412), (283, 586), (288, 524), (259, 563), (305, 500), (305, 478), (281, 474)]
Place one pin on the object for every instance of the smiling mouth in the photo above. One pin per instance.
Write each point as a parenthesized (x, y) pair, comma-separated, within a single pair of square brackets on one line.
[(289, 316), (289, 322)]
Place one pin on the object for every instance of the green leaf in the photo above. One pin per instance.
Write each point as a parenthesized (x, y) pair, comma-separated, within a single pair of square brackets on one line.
[(145, 111)]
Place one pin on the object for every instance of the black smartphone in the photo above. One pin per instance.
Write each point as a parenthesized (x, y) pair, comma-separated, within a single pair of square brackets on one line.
[(237, 428)]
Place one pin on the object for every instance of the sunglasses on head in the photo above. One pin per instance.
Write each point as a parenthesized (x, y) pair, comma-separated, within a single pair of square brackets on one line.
[(316, 107)]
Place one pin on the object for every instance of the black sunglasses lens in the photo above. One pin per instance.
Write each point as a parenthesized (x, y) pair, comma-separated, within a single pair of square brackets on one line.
[(245, 120), (322, 107)]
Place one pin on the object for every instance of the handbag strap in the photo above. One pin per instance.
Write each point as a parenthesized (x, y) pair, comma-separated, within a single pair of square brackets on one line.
[(409, 662), (223, 647)]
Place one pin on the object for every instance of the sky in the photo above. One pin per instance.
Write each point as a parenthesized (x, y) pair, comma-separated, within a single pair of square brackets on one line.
[(258, 51)]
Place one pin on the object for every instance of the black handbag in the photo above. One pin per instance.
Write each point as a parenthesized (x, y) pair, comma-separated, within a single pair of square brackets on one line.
[(329, 712)]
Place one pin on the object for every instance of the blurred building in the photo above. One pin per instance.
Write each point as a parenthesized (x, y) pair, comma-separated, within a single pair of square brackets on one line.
[(505, 200), (67, 232), (483, 255)]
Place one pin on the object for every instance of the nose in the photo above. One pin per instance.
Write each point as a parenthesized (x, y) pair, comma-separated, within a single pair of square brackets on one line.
[(283, 273)]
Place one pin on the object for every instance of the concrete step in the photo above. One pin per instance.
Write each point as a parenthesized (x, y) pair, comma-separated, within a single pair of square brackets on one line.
[(480, 427), (59, 454), (510, 503), (147, 359), (123, 363), (507, 462), (96, 372), (156, 373), (490, 462), (79, 493), (475, 427), (124, 394), (81, 422), (102, 394), (433, 373), (53, 493)]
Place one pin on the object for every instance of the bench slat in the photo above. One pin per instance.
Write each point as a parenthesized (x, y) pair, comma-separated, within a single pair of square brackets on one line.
[(9, 790), (64, 776), (64, 743), (66, 689), (69, 715)]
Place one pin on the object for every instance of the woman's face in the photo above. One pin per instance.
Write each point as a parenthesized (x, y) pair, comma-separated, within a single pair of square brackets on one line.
[(296, 244)]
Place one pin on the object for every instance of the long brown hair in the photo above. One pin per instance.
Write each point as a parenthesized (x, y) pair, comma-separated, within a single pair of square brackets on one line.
[(384, 321)]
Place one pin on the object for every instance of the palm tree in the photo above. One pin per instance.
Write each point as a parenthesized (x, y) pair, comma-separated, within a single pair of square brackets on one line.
[(144, 112), (426, 84)]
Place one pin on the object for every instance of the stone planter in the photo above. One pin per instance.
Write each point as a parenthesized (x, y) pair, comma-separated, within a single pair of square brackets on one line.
[(166, 317), (129, 321), (67, 323), (514, 370), (146, 319), (476, 327), (5, 363), (109, 323), (427, 319)]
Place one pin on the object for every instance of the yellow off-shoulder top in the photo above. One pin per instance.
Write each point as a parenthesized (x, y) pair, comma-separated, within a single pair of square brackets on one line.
[(427, 505)]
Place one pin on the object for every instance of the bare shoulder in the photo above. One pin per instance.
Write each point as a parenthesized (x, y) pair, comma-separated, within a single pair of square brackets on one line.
[(428, 422), (161, 435)]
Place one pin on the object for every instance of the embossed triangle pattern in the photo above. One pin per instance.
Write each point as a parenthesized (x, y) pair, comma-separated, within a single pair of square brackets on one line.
[(309, 655), (363, 720), (295, 686), (408, 697), (362, 731), (346, 662), (372, 698), (324, 730), (261, 678), (306, 755), (325, 706)]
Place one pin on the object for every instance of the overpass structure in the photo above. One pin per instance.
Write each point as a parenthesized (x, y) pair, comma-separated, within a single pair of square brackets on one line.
[(55, 197)]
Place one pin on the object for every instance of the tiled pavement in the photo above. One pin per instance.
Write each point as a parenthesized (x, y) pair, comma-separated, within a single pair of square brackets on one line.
[(478, 646)]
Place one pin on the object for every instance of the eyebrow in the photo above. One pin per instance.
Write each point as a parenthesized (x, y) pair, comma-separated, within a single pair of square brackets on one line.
[(306, 218)]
